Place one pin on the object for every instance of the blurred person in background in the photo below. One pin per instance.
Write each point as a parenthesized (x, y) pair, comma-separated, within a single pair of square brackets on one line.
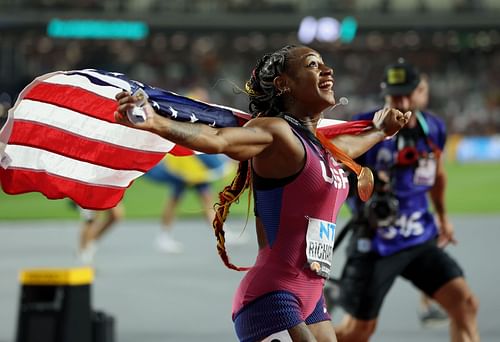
[(298, 183), (95, 224), (430, 313), (197, 172), (396, 234)]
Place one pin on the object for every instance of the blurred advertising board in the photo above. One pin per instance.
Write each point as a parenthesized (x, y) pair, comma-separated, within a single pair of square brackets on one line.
[(474, 148)]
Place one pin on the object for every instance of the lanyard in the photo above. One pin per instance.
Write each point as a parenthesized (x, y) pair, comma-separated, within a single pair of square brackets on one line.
[(425, 128)]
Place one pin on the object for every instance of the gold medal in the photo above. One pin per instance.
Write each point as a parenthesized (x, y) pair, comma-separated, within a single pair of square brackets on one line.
[(365, 175), (365, 184)]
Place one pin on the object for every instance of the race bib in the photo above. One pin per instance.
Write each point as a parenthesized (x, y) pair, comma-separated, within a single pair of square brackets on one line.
[(319, 246), (425, 173)]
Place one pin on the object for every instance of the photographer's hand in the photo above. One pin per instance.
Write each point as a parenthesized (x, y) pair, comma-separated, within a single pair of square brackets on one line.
[(446, 232), (437, 195)]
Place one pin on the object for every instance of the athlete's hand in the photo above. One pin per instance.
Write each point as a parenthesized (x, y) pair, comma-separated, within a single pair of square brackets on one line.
[(127, 102), (390, 120), (446, 232)]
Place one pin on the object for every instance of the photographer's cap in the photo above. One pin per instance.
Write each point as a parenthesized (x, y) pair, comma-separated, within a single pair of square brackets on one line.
[(400, 78)]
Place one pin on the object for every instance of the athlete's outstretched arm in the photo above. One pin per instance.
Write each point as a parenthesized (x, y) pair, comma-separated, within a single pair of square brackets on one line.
[(240, 143), (386, 122)]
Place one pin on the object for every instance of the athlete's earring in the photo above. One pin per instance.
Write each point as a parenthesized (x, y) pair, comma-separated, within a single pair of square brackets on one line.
[(283, 91)]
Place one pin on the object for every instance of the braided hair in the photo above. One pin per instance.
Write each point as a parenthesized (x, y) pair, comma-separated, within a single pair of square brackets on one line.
[(229, 195), (265, 100)]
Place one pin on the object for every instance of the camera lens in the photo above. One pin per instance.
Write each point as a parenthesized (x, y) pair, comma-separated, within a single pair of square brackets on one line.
[(382, 209), (407, 156)]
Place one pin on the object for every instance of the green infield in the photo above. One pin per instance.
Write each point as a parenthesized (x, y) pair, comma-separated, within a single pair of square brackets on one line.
[(472, 189)]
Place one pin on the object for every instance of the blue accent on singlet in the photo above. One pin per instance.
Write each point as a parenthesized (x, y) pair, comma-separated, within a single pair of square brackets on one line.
[(268, 200), (268, 204)]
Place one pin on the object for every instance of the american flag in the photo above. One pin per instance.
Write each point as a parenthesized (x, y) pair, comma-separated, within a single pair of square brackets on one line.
[(61, 139)]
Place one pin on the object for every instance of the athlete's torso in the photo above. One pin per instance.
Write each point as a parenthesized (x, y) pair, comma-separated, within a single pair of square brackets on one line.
[(318, 191)]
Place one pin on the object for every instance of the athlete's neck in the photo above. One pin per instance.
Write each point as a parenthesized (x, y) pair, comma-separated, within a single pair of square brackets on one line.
[(309, 123)]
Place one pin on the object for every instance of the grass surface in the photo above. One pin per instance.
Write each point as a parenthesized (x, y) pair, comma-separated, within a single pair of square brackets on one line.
[(472, 189)]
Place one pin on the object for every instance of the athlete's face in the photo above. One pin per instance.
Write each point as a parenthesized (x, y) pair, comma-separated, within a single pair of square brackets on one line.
[(310, 81)]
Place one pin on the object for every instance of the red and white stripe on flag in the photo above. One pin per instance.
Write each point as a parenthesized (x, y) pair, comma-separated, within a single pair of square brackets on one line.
[(61, 140)]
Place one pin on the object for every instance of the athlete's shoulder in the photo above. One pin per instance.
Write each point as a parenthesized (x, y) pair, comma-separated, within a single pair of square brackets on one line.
[(276, 126), (263, 121)]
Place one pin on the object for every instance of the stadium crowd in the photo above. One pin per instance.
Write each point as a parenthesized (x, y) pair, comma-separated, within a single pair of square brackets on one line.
[(464, 76)]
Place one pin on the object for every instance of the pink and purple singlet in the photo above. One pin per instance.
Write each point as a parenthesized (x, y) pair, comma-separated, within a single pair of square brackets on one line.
[(298, 213)]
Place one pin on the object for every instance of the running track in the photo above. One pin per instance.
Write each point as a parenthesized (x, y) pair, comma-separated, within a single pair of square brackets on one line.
[(156, 297)]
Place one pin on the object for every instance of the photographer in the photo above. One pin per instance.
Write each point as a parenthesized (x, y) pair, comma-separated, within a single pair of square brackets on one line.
[(395, 233)]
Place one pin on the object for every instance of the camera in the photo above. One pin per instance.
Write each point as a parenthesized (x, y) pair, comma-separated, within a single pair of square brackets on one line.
[(382, 209), (407, 156)]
